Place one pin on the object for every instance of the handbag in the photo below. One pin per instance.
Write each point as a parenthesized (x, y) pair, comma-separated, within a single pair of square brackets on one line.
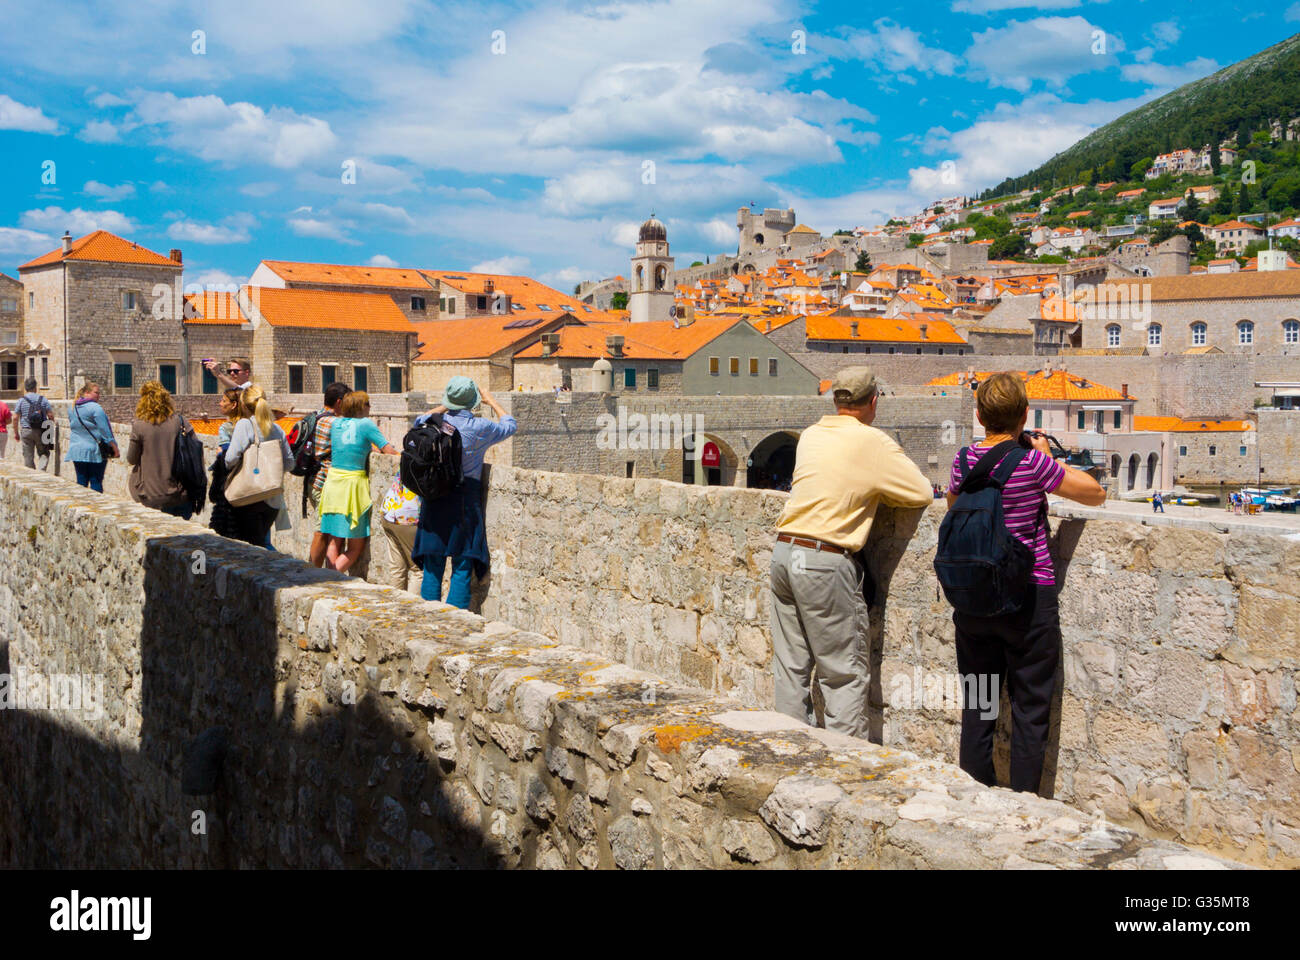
[(105, 448), (260, 474)]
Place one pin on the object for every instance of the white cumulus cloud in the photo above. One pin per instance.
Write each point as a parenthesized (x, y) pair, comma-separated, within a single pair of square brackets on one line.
[(55, 220), (18, 116), (193, 231), (103, 191), (508, 265)]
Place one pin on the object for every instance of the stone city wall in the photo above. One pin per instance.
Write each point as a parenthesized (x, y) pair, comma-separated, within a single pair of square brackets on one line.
[(1181, 645), (1177, 710), (253, 712), (1184, 386)]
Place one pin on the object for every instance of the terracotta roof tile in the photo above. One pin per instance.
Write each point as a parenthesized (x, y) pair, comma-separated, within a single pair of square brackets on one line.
[(478, 338), (904, 329), (221, 309), (1178, 425), (1058, 385), (328, 309), (104, 247), (345, 275), (653, 340)]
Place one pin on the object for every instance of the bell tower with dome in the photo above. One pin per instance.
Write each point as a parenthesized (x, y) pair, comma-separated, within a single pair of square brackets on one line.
[(650, 291)]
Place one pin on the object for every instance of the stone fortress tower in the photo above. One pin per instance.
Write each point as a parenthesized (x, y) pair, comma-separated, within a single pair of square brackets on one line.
[(762, 233), (651, 289)]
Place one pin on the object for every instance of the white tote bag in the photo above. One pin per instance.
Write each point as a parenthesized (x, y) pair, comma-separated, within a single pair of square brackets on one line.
[(260, 475)]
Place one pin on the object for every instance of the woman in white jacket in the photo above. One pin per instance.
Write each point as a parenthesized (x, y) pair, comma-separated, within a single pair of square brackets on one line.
[(253, 522)]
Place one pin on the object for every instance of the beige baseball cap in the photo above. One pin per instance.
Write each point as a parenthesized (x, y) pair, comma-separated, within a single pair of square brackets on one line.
[(853, 384)]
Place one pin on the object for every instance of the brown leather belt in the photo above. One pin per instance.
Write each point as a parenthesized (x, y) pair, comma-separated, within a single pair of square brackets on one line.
[(810, 544)]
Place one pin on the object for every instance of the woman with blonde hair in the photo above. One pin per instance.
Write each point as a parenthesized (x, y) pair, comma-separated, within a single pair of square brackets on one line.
[(252, 522), (91, 444), (345, 498), (152, 451)]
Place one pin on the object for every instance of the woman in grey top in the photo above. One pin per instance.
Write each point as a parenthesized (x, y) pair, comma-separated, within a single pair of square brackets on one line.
[(253, 521)]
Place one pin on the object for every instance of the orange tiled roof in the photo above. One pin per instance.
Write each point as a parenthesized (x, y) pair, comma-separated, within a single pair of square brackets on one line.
[(104, 247), (903, 329), (1058, 385), (329, 309), (760, 322), (1211, 286), (345, 275), (477, 338), (1236, 225), (1178, 425), (221, 309), (652, 340), (209, 426)]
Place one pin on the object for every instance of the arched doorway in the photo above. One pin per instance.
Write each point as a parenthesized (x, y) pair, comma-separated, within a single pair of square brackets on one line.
[(708, 461), (1153, 462), (770, 466), (1134, 463)]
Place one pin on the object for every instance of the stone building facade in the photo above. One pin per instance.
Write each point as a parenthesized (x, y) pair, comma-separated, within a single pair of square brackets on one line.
[(1256, 312), (11, 336), (304, 339), (102, 308)]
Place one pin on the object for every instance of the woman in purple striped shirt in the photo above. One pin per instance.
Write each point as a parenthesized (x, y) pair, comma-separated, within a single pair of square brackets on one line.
[(1021, 649)]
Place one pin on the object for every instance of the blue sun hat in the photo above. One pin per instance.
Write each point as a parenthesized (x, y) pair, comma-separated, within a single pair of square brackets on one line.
[(461, 394)]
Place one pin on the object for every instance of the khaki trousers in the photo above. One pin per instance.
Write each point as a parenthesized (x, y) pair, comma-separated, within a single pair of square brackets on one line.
[(819, 619), (401, 541)]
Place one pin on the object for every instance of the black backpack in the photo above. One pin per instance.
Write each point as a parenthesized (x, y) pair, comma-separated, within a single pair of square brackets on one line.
[(187, 466), (983, 569), (431, 459), (302, 444), (37, 414)]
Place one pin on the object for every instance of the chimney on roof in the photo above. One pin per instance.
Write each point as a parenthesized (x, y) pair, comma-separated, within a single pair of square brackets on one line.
[(175, 255), (1123, 389), (853, 328), (924, 327), (614, 344), (550, 343), (67, 242), (767, 325), (489, 285)]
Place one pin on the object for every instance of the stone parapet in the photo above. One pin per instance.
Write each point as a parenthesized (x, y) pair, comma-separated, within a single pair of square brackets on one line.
[(256, 712)]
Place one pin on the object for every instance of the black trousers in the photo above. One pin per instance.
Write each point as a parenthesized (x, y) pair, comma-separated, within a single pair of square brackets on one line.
[(1022, 650)]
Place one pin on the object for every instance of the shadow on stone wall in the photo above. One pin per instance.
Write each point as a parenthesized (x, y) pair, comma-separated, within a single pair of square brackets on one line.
[(265, 752)]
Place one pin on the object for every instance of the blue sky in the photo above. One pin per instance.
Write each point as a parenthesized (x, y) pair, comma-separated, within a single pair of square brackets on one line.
[(534, 138)]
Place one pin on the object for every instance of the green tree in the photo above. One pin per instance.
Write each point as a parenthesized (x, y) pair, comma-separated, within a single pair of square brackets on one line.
[(1243, 198), (1216, 161), (1223, 205), (698, 263), (1192, 208), (1007, 247), (863, 263), (914, 240), (1206, 251), (1140, 168), (618, 301)]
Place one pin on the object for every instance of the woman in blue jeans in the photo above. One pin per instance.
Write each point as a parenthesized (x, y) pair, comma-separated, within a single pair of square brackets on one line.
[(453, 528), (90, 427)]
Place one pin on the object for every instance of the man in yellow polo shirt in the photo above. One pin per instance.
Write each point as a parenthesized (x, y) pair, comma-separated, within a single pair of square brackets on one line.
[(843, 468)]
